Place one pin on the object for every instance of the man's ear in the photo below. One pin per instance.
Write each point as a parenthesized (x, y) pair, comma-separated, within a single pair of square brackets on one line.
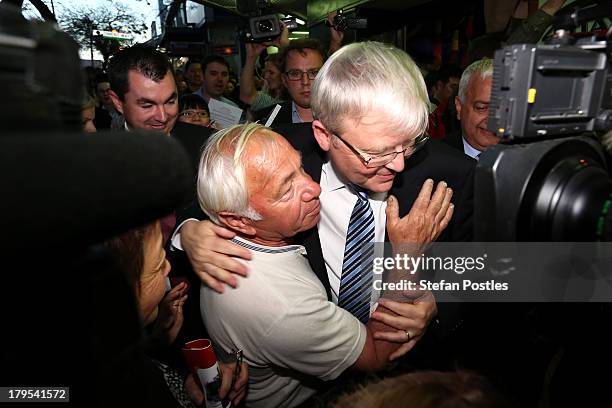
[(322, 135), (284, 80), (458, 107), (237, 223), (117, 102)]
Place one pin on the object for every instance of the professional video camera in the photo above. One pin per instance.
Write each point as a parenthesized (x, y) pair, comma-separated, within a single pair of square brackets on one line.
[(262, 27), (548, 179), (341, 22)]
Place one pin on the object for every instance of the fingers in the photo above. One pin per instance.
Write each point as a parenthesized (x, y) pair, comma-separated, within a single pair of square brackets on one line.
[(223, 248), (422, 200), (447, 217), (435, 204), (211, 282), (405, 348), (220, 231), (413, 318), (395, 336), (392, 210), (238, 391), (177, 291), (227, 372), (223, 273)]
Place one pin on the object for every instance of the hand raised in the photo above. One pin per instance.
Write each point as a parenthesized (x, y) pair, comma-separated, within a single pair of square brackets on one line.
[(428, 217)]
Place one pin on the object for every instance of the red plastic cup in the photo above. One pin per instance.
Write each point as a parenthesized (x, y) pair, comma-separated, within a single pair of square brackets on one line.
[(202, 361), (199, 354)]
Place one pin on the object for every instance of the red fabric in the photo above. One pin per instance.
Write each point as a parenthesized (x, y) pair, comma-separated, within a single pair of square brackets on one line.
[(436, 128)]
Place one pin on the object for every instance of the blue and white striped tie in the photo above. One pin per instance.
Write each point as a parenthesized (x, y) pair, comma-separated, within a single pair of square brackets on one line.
[(356, 280)]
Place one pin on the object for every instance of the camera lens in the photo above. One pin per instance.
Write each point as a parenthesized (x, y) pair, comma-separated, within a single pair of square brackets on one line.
[(265, 26), (568, 198)]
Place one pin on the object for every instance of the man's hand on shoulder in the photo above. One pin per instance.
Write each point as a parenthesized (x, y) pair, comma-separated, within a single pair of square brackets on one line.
[(212, 255)]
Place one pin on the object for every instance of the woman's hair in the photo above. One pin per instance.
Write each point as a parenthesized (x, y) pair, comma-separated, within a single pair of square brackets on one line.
[(192, 101), (128, 250), (426, 389)]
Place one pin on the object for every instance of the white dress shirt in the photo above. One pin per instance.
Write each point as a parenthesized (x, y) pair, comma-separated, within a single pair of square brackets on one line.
[(337, 203), (469, 150)]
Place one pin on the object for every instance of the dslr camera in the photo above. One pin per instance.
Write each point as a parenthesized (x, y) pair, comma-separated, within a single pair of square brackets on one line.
[(262, 26), (551, 104), (341, 22)]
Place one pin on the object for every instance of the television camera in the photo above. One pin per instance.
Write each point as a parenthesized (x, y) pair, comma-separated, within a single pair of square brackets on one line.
[(262, 25), (551, 104)]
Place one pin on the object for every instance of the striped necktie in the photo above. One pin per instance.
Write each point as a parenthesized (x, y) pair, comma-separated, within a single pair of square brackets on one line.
[(356, 280)]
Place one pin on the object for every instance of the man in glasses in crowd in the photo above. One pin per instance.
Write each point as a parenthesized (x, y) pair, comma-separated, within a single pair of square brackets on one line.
[(300, 62), (370, 158)]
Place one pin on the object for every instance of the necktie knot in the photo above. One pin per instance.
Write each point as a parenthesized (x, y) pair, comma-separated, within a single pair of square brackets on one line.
[(361, 192)]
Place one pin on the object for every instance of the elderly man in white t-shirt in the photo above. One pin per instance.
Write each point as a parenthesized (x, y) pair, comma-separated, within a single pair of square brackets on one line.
[(251, 180)]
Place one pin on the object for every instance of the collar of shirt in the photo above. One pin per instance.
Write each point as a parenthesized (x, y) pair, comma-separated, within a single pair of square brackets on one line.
[(295, 115), (331, 181), (469, 150)]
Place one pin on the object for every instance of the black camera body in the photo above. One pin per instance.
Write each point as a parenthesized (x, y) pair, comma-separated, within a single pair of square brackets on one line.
[(341, 22), (548, 179), (551, 90), (262, 27)]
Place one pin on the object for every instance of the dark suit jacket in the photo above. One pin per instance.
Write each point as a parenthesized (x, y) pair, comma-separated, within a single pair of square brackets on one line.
[(192, 137), (454, 140), (284, 114)]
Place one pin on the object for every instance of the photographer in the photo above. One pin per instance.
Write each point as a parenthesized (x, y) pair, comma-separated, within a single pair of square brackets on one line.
[(274, 91)]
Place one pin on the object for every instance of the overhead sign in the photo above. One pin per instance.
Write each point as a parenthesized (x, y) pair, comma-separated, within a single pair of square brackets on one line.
[(113, 35)]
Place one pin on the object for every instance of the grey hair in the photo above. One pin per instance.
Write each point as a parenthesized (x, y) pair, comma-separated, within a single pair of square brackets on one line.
[(483, 66), (221, 184), (371, 76)]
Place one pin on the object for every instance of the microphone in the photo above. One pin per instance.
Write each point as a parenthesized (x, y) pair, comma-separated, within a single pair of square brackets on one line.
[(62, 190)]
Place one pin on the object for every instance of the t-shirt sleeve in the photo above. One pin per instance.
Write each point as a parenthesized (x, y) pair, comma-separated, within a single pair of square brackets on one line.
[(315, 337)]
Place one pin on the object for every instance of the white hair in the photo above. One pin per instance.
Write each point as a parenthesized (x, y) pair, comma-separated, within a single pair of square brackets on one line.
[(371, 76), (483, 66), (221, 181)]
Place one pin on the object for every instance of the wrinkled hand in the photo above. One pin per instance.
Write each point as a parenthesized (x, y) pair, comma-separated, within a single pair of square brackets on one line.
[(410, 320), (234, 392), (210, 252), (428, 217), (170, 315)]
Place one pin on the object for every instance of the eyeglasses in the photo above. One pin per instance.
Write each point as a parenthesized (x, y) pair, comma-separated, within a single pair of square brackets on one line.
[(383, 159), (297, 75), (195, 115)]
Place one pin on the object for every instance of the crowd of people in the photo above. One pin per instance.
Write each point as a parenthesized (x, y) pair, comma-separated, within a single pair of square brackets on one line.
[(363, 146)]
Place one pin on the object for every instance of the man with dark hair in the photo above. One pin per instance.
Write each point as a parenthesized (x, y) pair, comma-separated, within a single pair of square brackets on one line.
[(193, 75), (442, 88), (107, 116), (300, 62), (216, 77), (143, 89)]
